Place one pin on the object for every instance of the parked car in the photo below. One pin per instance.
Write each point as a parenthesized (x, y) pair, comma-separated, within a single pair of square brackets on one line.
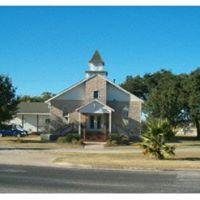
[(13, 130)]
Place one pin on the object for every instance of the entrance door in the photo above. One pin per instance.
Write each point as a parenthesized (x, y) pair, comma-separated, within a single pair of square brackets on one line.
[(95, 122), (95, 128)]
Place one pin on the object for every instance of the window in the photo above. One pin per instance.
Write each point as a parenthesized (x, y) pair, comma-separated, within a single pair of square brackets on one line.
[(96, 94), (92, 122), (98, 122), (65, 113), (47, 121), (66, 116), (125, 112)]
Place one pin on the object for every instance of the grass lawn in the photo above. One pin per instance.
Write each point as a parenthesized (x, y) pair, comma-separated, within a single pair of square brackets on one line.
[(131, 160), (187, 157), (32, 142), (119, 157)]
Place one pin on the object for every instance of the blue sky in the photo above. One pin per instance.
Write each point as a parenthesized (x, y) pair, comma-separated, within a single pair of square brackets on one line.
[(48, 48)]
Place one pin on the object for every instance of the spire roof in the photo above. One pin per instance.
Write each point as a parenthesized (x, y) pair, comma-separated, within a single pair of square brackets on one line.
[(96, 59)]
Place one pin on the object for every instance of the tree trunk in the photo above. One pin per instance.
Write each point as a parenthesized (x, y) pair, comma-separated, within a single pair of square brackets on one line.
[(197, 123)]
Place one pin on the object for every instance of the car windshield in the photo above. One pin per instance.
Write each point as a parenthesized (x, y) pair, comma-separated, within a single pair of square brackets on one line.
[(17, 126)]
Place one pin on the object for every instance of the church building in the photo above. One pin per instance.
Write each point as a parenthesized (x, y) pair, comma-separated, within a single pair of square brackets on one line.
[(96, 106)]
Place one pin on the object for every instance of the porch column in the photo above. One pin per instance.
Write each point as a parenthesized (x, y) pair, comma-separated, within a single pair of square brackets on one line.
[(79, 123), (37, 118), (110, 121), (22, 121)]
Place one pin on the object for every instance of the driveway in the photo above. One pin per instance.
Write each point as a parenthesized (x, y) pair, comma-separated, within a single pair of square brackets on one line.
[(21, 179)]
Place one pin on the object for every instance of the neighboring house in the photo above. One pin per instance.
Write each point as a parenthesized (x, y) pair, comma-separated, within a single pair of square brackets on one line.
[(187, 129), (96, 106), (33, 117)]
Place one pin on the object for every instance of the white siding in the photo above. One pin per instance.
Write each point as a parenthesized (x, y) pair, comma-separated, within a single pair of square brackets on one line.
[(16, 120), (95, 107), (114, 93), (42, 122), (77, 93), (30, 122)]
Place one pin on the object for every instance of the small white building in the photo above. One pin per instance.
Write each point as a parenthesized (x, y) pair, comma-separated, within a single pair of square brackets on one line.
[(33, 116)]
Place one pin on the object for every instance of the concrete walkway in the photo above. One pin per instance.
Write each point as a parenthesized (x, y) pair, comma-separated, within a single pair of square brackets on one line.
[(94, 145)]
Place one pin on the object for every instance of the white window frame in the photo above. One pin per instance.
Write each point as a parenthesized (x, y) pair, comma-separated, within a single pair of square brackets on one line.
[(95, 123), (67, 118)]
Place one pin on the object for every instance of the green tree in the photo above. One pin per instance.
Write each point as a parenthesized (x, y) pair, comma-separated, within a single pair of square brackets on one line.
[(8, 99), (174, 97), (164, 101), (154, 139), (162, 93), (193, 88), (142, 86), (42, 98), (136, 85), (153, 80), (47, 95)]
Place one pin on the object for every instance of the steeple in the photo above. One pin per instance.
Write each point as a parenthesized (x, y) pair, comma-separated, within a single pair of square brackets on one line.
[(96, 65), (96, 59)]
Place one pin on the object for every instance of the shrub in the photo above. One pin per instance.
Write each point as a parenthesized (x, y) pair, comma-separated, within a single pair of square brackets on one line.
[(110, 142), (115, 137), (72, 138), (124, 139), (46, 137), (61, 140), (118, 139), (154, 139), (77, 142)]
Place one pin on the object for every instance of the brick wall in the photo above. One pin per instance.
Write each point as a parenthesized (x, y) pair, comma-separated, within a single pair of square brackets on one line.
[(59, 108), (135, 109), (126, 118), (95, 84)]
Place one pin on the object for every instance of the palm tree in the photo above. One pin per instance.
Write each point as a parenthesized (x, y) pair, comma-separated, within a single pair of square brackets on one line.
[(154, 139)]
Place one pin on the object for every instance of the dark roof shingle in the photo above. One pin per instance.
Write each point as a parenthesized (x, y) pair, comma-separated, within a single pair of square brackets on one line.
[(96, 59), (33, 107)]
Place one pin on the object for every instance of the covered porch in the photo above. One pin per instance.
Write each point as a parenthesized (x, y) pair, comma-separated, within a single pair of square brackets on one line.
[(95, 121)]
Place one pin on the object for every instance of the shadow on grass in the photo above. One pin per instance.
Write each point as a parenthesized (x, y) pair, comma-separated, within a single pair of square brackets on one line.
[(187, 159), (193, 145), (21, 141), (184, 139), (22, 148), (30, 141)]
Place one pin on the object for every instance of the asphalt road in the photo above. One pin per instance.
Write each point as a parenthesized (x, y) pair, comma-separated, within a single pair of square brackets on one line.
[(21, 179)]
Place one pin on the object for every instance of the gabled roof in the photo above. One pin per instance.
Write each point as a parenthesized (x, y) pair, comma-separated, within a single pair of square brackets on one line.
[(122, 89), (69, 88), (86, 79), (33, 108), (95, 106), (96, 59)]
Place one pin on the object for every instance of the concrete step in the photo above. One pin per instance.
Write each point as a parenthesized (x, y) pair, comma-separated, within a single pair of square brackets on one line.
[(94, 145)]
